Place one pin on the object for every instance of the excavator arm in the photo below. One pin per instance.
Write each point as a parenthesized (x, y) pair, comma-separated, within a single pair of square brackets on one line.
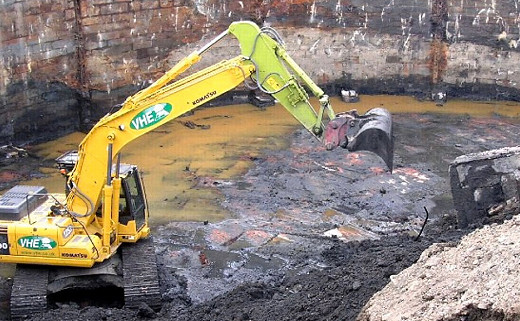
[(276, 73), (263, 59)]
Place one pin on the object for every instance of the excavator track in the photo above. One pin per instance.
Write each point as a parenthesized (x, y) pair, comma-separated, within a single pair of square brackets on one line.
[(29, 291), (141, 280)]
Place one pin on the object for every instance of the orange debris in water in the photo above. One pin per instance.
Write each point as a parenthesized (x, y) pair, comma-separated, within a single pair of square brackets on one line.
[(354, 159), (377, 170), (219, 236)]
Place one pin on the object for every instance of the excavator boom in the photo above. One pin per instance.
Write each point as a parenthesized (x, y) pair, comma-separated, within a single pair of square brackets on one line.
[(140, 114)]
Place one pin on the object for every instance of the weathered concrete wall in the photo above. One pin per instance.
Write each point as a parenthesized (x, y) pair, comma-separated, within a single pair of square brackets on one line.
[(64, 62)]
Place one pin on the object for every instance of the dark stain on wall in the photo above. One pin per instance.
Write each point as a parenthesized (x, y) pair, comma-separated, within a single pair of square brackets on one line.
[(438, 58), (50, 109)]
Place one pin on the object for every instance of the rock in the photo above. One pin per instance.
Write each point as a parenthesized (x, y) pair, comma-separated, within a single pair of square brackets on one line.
[(143, 310), (484, 183)]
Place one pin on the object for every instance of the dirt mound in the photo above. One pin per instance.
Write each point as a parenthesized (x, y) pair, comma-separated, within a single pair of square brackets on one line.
[(475, 280), (354, 272)]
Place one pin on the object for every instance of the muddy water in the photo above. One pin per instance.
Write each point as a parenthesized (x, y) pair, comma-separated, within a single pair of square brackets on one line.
[(400, 104), (179, 162)]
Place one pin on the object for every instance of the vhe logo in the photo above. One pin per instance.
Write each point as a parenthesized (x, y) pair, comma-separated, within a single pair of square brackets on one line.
[(37, 242), (151, 116)]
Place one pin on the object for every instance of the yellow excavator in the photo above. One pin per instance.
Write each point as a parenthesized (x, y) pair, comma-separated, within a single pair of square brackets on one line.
[(49, 235)]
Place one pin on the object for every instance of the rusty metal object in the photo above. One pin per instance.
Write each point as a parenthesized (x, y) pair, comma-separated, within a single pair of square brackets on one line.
[(203, 259)]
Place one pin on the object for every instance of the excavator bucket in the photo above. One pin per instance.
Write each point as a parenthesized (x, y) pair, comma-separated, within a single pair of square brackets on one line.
[(371, 132)]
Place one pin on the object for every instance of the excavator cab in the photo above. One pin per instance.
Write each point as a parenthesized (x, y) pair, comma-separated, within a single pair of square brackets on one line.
[(132, 202), (132, 199)]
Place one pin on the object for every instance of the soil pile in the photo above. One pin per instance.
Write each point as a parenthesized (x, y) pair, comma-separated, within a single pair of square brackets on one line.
[(354, 273), (475, 280)]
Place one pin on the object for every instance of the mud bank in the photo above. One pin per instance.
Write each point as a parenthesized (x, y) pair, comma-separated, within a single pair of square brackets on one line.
[(281, 254), (317, 278)]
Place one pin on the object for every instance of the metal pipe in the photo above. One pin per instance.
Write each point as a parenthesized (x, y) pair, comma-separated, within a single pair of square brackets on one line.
[(118, 164), (109, 164), (212, 42)]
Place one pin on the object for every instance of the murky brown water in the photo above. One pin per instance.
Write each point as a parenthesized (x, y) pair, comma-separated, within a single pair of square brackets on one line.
[(174, 157), (178, 162), (402, 104)]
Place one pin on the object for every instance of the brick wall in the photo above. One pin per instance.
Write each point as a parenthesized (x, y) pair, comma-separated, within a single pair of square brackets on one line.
[(36, 41), (64, 62), (38, 68)]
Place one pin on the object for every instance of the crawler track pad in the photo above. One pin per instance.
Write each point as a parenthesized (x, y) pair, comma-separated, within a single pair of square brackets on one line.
[(29, 292), (140, 275)]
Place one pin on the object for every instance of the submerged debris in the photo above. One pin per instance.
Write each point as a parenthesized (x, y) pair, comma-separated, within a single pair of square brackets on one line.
[(9, 153), (192, 125), (349, 96)]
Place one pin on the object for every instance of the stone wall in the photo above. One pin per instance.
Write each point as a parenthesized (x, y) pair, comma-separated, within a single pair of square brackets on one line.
[(483, 49), (65, 62), (38, 67)]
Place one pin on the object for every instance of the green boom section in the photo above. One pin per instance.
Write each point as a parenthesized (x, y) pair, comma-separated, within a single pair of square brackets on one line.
[(278, 74)]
